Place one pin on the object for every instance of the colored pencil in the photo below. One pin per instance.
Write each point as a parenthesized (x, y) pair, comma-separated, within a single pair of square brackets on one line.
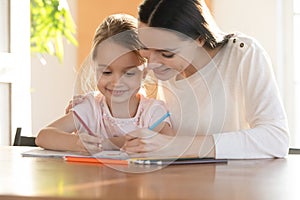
[(95, 160), (155, 124)]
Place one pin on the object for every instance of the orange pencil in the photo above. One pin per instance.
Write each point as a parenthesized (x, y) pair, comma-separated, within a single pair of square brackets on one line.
[(95, 160)]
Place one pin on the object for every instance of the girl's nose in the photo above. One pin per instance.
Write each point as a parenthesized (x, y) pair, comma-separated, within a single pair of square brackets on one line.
[(116, 79)]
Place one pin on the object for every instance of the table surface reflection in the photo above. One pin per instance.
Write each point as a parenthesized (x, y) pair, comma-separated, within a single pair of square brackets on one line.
[(53, 178)]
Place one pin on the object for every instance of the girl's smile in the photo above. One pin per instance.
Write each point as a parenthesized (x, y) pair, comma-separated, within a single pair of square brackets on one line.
[(117, 92)]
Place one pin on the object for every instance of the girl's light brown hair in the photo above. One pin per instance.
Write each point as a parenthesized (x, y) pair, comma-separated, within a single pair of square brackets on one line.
[(121, 29)]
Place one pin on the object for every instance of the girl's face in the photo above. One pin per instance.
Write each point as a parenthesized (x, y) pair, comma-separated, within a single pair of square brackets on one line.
[(118, 80), (167, 54)]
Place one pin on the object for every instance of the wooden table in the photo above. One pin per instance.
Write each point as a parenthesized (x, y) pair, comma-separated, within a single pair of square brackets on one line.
[(53, 178)]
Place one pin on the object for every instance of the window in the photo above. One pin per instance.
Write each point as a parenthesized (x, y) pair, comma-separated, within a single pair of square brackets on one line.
[(296, 70), (4, 26), (291, 68), (15, 104)]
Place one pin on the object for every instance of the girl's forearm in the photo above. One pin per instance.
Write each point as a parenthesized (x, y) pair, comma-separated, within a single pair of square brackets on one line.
[(54, 139)]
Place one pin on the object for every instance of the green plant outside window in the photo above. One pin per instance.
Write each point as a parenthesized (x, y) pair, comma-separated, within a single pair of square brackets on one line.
[(50, 22)]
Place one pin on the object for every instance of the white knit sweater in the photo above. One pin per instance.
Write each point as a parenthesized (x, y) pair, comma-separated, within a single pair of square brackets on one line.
[(234, 98)]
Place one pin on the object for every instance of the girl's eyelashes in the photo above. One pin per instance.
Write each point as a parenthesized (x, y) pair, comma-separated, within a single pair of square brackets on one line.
[(106, 72), (127, 73), (131, 72)]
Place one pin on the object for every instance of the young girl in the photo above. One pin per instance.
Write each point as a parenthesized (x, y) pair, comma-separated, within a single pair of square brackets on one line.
[(102, 120)]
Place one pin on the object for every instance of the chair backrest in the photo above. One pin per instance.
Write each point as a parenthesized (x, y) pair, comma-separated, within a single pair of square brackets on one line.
[(23, 140), (294, 151)]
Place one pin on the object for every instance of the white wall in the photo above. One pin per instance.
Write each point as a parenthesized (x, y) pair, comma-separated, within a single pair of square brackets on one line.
[(269, 21), (15, 70), (259, 19), (52, 84)]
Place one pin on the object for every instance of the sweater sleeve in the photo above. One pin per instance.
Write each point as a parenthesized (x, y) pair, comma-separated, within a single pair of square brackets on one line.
[(268, 135)]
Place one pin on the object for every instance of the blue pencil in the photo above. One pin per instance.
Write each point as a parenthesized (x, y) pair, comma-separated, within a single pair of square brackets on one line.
[(155, 124)]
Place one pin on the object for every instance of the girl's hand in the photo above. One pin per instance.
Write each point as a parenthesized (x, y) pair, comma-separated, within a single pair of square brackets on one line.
[(144, 141), (76, 100), (91, 144)]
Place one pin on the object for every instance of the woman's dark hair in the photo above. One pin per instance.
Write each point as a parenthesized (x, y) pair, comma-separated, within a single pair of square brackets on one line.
[(189, 17)]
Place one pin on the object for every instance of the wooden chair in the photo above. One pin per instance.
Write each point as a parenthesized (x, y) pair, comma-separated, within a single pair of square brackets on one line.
[(294, 151), (23, 140)]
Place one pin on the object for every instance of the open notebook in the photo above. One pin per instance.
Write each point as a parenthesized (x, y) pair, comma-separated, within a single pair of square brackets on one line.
[(39, 152), (111, 157)]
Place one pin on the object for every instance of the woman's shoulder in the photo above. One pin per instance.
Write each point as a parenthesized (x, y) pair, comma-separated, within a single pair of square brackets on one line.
[(244, 42)]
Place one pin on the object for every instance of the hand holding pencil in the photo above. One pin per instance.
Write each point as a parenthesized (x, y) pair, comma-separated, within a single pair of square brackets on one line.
[(91, 141), (145, 139), (93, 144)]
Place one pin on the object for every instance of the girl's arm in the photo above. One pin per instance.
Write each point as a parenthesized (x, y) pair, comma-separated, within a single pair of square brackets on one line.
[(60, 135)]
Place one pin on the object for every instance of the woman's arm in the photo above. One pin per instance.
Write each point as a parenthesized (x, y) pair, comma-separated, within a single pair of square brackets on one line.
[(261, 107), (165, 129), (150, 142)]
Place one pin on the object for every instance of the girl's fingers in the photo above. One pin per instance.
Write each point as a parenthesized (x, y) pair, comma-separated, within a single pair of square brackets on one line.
[(93, 148), (133, 142), (143, 133), (93, 144), (135, 149), (86, 138)]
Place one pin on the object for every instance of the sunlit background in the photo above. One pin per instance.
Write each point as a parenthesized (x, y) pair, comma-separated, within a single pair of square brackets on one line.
[(35, 91)]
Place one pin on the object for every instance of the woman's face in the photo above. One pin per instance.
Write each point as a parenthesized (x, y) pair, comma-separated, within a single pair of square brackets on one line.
[(167, 53)]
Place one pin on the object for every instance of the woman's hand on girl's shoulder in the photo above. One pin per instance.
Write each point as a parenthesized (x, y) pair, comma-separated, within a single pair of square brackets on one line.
[(77, 99)]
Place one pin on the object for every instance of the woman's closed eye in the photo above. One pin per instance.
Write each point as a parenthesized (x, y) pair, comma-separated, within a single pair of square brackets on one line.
[(130, 73), (168, 54), (144, 48)]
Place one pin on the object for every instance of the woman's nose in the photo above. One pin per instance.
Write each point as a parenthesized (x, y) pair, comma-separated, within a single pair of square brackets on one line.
[(150, 55)]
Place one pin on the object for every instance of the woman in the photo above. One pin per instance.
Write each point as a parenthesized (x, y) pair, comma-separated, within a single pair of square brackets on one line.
[(220, 88)]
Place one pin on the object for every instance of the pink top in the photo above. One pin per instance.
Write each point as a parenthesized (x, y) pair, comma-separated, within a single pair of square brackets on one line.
[(96, 115)]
